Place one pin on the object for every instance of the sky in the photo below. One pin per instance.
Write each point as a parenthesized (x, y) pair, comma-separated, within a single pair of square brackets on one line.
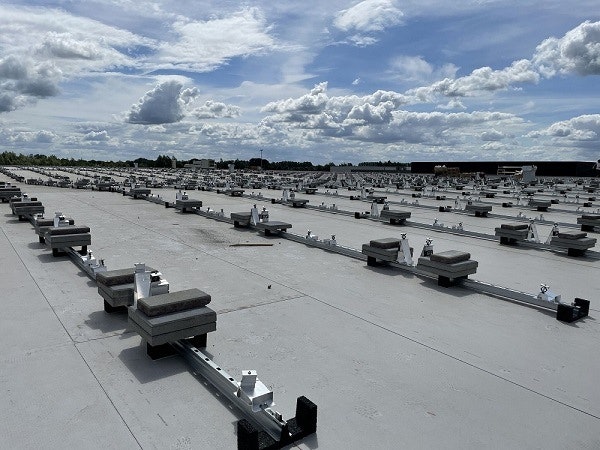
[(320, 81)]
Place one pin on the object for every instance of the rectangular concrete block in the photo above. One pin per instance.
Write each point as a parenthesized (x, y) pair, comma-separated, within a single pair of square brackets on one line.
[(118, 276), (384, 254), (120, 292), (436, 266), (158, 305), (572, 234), (385, 243), (482, 207), (175, 335), (68, 229), (450, 257), (514, 226), (394, 214), (273, 225), (511, 234), (169, 323), (577, 244), (116, 301)]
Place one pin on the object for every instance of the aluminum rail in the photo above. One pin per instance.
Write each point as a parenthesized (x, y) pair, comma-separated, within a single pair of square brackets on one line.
[(506, 293), (266, 418)]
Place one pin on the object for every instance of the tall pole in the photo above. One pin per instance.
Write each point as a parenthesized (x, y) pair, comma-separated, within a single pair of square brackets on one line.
[(261, 159)]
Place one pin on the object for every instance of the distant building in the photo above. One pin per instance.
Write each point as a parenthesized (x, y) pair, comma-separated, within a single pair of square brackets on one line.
[(201, 164), (350, 169)]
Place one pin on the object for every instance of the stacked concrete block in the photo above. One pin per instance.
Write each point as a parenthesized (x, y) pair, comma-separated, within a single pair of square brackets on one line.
[(7, 192), (511, 233), (298, 202), (480, 209), (43, 225), (273, 226), (234, 192), (166, 318), (589, 221), (116, 288), (540, 205), (60, 238), (138, 192), (26, 208), (241, 219), (188, 205), (576, 242), (382, 250), (395, 216), (450, 266), (376, 198)]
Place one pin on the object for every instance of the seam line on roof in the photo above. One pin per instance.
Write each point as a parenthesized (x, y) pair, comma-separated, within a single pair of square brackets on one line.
[(441, 352), (70, 337)]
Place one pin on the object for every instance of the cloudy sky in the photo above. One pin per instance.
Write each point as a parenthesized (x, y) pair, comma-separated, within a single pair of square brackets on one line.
[(339, 81)]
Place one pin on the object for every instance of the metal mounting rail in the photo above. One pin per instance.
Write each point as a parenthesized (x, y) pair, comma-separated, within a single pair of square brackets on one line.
[(272, 430), (482, 287), (268, 419), (81, 262), (510, 294), (335, 248)]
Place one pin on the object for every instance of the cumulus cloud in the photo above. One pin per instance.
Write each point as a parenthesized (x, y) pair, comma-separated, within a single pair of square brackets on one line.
[(366, 18), (96, 136), (165, 103), (492, 135), (415, 68), (579, 129), (22, 79), (369, 15), (214, 110), (377, 118), (480, 80), (41, 47), (204, 45), (578, 51)]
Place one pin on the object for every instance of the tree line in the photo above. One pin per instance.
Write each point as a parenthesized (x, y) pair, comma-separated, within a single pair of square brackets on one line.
[(9, 158)]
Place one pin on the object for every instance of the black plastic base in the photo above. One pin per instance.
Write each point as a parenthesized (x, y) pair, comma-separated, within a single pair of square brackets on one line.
[(304, 424), (570, 313), (449, 282), (575, 252), (160, 351), (113, 309), (198, 341), (507, 241)]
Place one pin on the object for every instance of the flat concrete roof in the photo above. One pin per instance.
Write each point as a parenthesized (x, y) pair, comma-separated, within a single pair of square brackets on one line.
[(391, 359)]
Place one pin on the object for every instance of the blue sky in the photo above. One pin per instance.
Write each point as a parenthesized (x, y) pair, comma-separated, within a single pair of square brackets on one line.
[(335, 81)]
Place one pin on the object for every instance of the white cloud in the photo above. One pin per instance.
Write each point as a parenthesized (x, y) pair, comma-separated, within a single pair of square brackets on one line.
[(214, 110), (492, 135), (366, 18), (377, 118), (369, 15), (577, 130), (480, 80), (164, 104), (204, 45), (578, 51), (96, 136), (407, 68), (42, 47), (22, 80)]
